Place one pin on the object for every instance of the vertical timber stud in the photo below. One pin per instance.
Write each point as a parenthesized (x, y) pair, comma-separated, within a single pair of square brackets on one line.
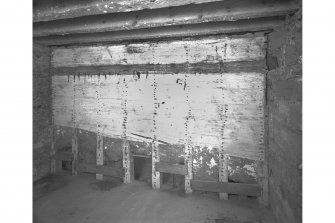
[(223, 158), (53, 135), (74, 133), (263, 176), (53, 150), (99, 150), (156, 181), (125, 145), (188, 145), (74, 151), (223, 172)]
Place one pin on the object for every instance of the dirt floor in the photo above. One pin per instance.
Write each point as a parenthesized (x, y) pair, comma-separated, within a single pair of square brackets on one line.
[(63, 198)]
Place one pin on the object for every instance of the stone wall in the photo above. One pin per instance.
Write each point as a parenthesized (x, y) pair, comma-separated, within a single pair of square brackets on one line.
[(41, 111), (284, 98)]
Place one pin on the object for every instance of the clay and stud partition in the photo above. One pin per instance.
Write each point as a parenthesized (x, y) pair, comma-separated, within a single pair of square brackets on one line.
[(195, 98)]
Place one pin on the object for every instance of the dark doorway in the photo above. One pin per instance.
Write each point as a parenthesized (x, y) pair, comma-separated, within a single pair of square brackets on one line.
[(142, 168)]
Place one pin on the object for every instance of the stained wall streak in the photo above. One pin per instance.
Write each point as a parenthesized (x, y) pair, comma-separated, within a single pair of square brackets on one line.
[(210, 50)]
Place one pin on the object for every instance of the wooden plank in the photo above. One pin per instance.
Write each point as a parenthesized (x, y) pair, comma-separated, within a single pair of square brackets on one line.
[(223, 158), (209, 50), (223, 171), (192, 30), (99, 149), (204, 68), (262, 170), (225, 187), (64, 156), (104, 170), (126, 156), (228, 10), (99, 152), (74, 151), (53, 151), (171, 168), (53, 167), (127, 165)]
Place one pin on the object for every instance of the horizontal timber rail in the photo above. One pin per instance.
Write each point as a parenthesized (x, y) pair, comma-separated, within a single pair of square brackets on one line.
[(239, 66), (226, 187), (171, 168)]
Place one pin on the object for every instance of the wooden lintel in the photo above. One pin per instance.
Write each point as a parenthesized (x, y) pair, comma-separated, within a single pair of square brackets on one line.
[(105, 170), (226, 187), (171, 168)]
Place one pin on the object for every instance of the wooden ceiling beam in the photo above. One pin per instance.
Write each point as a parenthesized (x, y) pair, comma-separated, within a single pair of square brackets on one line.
[(229, 10), (179, 31)]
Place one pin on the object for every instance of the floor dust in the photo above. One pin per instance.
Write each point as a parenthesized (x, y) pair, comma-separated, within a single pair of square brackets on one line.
[(81, 198), (105, 185)]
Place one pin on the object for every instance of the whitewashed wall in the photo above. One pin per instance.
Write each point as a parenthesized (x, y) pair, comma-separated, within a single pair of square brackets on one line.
[(221, 108)]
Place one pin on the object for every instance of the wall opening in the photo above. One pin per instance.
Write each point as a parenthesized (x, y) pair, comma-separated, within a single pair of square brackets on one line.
[(142, 168), (66, 165)]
